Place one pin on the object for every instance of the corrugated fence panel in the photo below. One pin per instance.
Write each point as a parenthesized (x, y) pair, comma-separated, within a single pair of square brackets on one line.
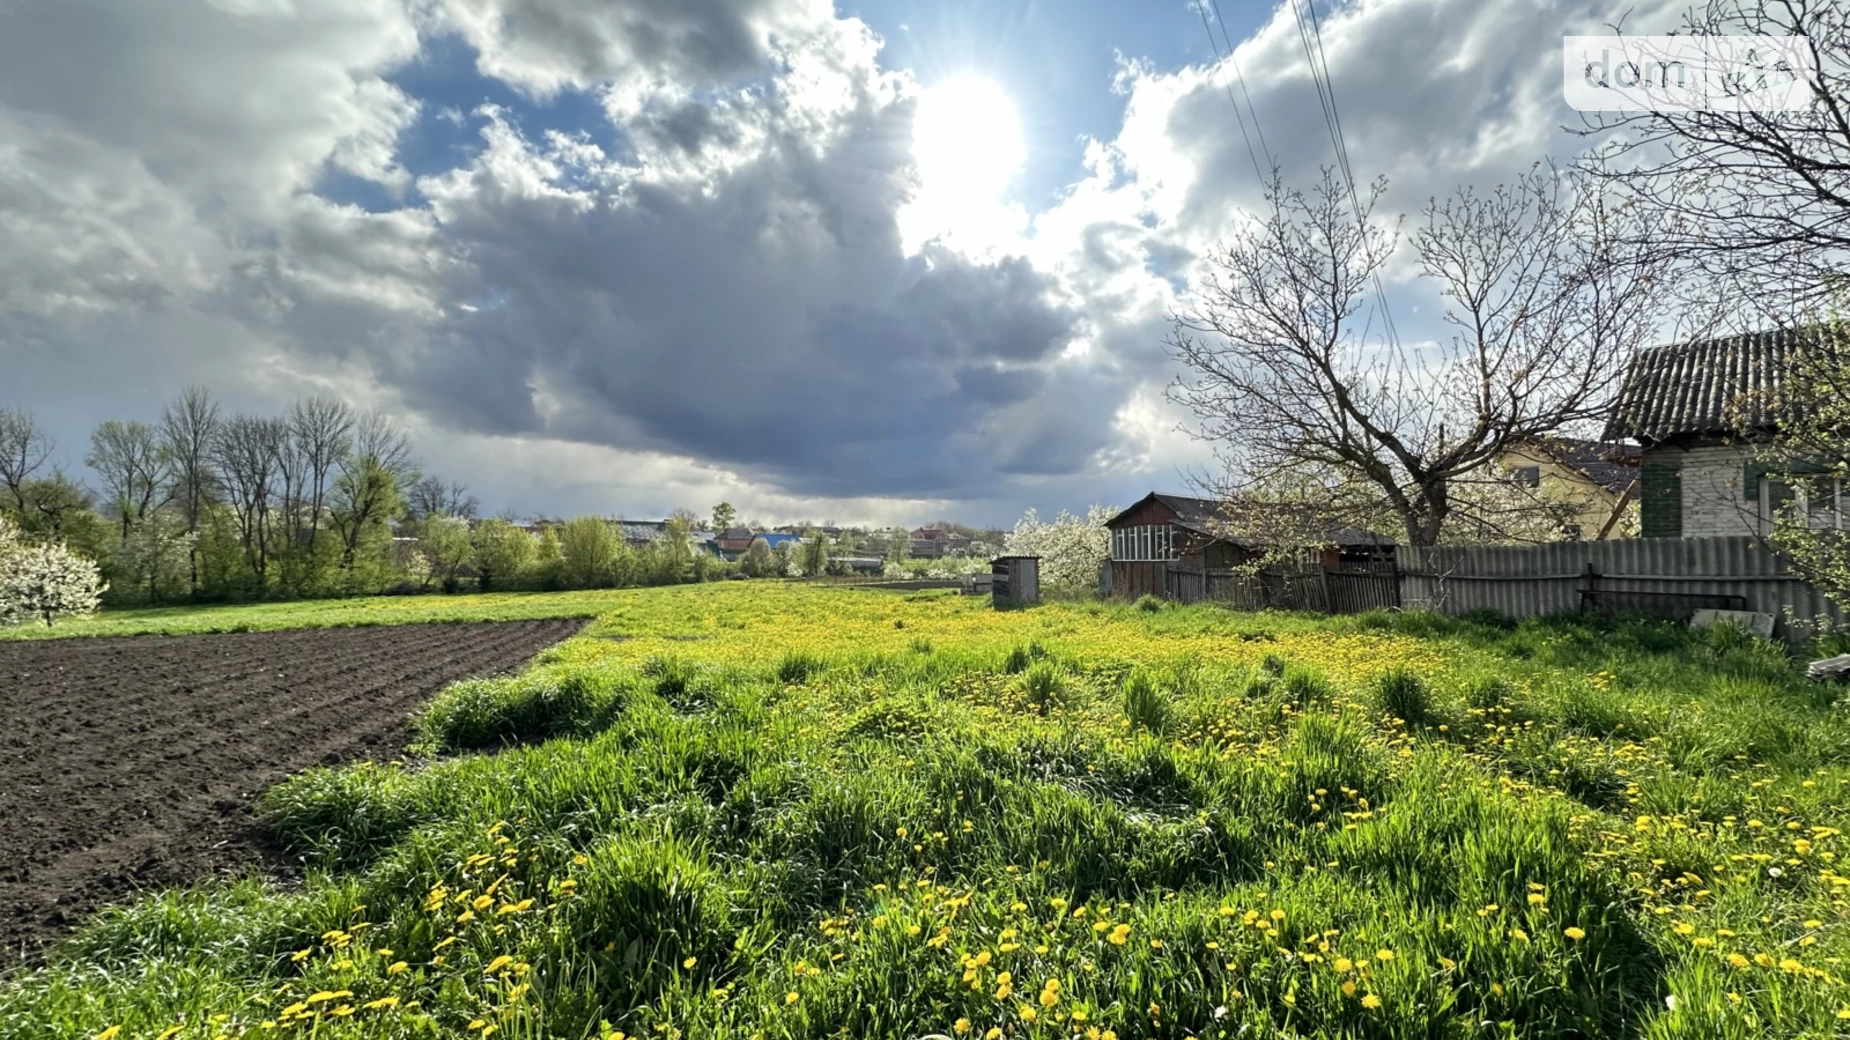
[(1674, 575)]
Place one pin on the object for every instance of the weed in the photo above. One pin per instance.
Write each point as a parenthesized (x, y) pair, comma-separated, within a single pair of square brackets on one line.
[(1144, 705), (1402, 694)]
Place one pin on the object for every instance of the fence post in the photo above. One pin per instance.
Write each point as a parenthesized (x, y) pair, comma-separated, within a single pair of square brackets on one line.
[(1589, 587)]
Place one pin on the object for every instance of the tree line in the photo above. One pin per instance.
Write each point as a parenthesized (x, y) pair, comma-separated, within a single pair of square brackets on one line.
[(321, 500)]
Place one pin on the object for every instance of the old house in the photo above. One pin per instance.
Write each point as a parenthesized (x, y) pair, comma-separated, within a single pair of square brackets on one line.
[(1593, 484), (930, 542), (1175, 546), (1697, 410), (733, 540)]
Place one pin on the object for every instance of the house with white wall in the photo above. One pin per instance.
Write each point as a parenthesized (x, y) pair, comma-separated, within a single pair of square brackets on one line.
[(1698, 410)]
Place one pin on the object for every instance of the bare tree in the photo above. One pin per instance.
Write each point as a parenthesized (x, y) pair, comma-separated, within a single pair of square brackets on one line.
[(431, 496), (24, 451), (129, 459), (245, 453), (322, 429), (188, 425), (1758, 200), (290, 467), (1548, 289)]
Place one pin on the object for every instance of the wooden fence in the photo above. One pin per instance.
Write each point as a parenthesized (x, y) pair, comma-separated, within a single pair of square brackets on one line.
[(1666, 577)]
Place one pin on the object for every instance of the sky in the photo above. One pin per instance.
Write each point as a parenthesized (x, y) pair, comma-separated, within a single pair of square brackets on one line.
[(877, 261)]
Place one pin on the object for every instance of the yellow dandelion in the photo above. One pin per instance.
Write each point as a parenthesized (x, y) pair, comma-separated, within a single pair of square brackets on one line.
[(1371, 1002)]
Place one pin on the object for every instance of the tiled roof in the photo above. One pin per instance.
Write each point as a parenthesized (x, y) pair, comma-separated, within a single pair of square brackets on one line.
[(1609, 464), (1696, 388)]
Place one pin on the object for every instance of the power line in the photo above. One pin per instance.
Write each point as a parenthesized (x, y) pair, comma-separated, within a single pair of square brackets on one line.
[(1318, 60), (1234, 58), (1254, 156)]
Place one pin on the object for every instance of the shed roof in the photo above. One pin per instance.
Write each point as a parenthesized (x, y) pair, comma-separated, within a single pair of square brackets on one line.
[(1208, 516), (1695, 388)]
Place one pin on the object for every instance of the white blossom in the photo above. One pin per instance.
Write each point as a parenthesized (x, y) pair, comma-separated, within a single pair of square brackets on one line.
[(44, 582), (1072, 549)]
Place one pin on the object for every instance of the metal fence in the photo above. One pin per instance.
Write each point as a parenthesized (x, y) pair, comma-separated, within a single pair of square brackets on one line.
[(1668, 577)]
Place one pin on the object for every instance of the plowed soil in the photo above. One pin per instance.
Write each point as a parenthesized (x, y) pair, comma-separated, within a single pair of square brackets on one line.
[(127, 763)]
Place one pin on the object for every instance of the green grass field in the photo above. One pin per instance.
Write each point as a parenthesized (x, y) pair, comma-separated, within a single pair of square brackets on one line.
[(752, 810), (332, 613)]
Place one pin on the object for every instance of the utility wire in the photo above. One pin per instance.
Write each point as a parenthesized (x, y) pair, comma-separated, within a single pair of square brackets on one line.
[(1326, 100), (1241, 76), (1251, 154)]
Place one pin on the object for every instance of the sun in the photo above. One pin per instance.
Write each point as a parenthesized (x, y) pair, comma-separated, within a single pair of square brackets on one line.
[(967, 145), (966, 138)]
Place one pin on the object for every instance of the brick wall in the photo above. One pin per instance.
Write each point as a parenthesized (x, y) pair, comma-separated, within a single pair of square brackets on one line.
[(1714, 500)]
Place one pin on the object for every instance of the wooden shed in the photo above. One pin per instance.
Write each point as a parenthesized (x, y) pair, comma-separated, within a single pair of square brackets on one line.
[(1176, 547)]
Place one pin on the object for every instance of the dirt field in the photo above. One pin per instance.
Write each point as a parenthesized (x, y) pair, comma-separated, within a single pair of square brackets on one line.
[(132, 762)]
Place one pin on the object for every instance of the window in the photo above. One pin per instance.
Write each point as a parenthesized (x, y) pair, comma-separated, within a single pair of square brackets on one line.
[(1527, 476), (1820, 500), (1143, 543)]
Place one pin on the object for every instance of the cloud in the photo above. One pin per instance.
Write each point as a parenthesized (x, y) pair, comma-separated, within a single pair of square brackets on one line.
[(632, 50), (709, 288), (755, 310)]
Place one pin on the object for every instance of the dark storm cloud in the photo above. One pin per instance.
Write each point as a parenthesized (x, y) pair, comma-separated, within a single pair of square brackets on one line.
[(765, 319)]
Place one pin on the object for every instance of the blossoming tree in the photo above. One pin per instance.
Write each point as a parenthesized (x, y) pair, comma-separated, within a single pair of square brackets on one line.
[(44, 581)]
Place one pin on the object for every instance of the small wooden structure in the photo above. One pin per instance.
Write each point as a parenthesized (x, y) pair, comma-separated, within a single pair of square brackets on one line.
[(1015, 581), (1176, 547)]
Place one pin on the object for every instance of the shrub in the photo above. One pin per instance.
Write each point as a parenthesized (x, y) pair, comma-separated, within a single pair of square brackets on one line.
[(1402, 694), (1149, 604)]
